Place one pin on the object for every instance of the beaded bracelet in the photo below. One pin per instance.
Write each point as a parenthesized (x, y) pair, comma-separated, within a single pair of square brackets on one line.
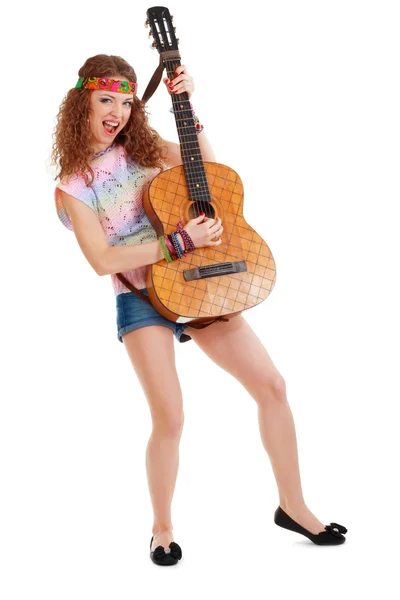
[(180, 252), (171, 241), (164, 248), (182, 249), (197, 124), (187, 240)]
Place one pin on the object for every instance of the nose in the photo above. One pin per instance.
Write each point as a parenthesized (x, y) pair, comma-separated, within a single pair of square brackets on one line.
[(117, 111)]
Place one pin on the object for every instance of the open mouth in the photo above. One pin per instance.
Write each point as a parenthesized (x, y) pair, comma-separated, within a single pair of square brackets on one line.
[(109, 128)]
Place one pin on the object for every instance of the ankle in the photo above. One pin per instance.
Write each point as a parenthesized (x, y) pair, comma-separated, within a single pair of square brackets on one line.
[(161, 528), (293, 506)]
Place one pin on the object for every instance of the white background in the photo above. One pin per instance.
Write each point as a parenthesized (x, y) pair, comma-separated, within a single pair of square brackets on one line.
[(302, 100)]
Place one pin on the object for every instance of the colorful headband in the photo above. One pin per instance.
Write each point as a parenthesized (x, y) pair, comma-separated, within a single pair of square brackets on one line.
[(103, 83)]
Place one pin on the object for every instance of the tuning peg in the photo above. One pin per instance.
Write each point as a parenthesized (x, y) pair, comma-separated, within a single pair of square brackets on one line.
[(147, 22), (172, 18), (150, 32), (154, 44), (174, 28), (177, 40)]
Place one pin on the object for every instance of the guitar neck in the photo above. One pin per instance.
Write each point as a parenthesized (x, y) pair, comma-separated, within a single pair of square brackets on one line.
[(188, 138)]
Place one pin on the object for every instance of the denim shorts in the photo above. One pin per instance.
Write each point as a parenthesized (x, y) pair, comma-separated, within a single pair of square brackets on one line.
[(133, 313)]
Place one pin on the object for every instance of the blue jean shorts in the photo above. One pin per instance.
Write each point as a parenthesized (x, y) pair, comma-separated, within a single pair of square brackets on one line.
[(133, 313)]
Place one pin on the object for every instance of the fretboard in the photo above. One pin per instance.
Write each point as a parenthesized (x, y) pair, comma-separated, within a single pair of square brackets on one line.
[(190, 149)]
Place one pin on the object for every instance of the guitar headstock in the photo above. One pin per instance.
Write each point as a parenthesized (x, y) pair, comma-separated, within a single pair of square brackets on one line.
[(161, 29)]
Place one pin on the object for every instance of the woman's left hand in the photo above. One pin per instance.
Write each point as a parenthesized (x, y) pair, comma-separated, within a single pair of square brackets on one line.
[(181, 83)]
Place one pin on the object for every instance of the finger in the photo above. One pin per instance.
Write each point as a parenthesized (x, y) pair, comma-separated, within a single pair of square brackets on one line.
[(179, 79), (178, 89), (216, 224), (181, 69), (179, 82)]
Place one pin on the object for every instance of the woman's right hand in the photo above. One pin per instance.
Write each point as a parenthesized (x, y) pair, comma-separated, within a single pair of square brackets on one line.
[(204, 231)]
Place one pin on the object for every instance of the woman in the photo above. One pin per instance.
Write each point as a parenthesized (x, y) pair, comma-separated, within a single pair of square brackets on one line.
[(108, 154)]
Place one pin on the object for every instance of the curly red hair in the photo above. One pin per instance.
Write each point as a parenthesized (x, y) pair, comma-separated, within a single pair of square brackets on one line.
[(71, 149)]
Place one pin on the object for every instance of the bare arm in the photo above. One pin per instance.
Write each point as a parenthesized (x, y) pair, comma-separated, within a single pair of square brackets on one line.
[(92, 240), (117, 259)]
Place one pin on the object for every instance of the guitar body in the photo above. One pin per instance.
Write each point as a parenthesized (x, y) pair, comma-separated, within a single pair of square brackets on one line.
[(213, 281)]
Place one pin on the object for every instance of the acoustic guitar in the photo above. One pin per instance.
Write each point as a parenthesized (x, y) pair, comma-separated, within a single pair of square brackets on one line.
[(213, 282)]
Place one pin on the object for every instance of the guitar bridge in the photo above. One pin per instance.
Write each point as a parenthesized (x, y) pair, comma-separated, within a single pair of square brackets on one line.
[(215, 270)]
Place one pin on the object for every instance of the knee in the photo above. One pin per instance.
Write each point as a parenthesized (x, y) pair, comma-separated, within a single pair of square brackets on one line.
[(169, 423), (272, 390)]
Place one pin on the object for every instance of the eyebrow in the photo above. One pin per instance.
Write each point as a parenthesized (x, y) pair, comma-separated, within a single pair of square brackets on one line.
[(113, 97)]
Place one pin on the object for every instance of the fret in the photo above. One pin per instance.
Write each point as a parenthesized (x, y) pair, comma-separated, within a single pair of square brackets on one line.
[(188, 148), (199, 169), (184, 131), (180, 104), (197, 177), (183, 119), (194, 141), (188, 134), (191, 151), (197, 190), (195, 162)]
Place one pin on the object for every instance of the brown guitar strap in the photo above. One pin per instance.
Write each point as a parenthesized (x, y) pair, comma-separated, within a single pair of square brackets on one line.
[(156, 78), (132, 288)]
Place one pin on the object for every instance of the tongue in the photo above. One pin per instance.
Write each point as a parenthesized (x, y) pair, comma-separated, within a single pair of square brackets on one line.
[(108, 128)]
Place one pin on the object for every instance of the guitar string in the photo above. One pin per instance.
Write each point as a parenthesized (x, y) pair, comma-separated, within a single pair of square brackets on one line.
[(187, 149), (194, 178), (191, 177), (196, 172), (192, 134)]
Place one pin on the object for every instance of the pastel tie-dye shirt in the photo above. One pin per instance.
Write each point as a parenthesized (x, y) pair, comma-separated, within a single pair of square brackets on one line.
[(115, 195)]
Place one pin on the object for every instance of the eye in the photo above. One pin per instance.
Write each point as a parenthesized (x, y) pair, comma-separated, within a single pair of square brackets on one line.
[(105, 100), (129, 103)]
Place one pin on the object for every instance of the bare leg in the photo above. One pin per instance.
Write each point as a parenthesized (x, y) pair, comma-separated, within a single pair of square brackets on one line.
[(151, 351), (235, 347), (278, 436)]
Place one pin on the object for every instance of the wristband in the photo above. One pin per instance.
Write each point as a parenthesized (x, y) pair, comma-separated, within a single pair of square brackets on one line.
[(169, 244), (165, 249)]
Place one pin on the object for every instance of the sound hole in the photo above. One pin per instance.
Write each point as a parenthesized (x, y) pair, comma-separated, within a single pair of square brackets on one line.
[(197, 207)]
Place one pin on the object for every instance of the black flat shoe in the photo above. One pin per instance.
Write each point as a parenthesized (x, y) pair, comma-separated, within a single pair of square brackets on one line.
[(331, 536), (163, 557)]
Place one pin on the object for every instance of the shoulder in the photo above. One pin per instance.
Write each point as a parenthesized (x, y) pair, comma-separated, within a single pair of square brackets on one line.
[(77, 186), (172, 154)]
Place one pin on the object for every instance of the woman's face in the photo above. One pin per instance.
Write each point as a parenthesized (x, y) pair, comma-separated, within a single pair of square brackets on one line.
[(108, 114)]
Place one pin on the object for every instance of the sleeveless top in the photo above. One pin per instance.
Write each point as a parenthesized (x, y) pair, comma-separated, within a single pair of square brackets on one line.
[(116, 196)]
